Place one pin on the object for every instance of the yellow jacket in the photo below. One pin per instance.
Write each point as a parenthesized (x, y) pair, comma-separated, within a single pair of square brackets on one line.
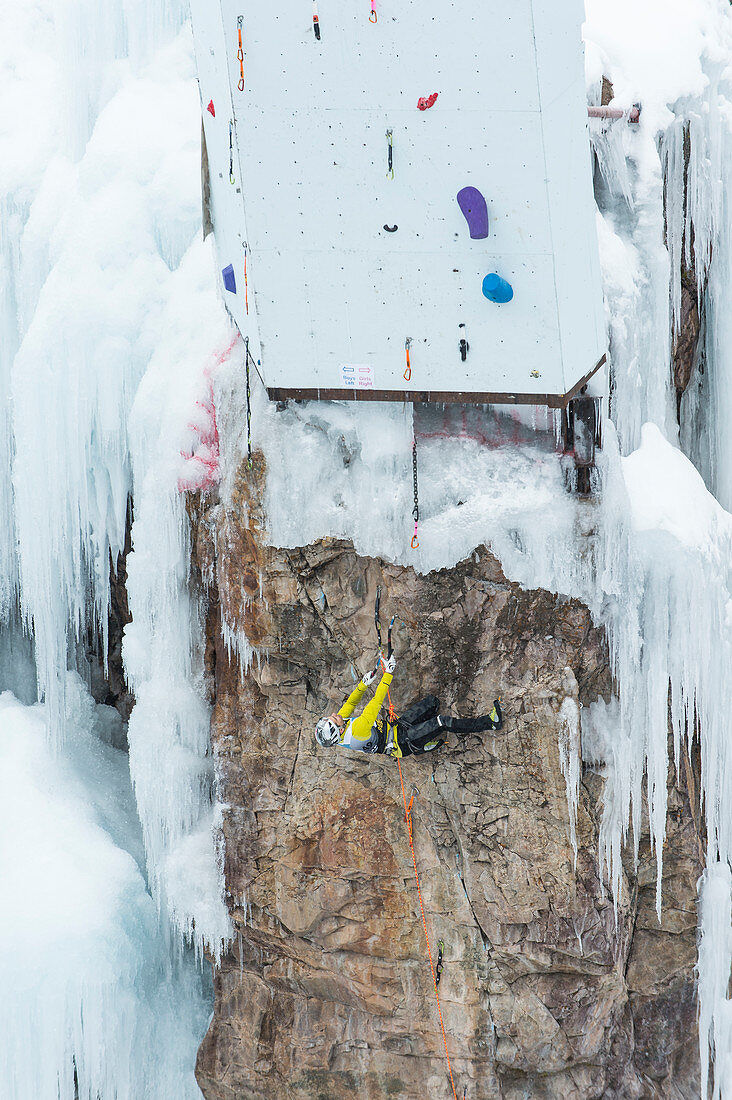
[(362, 728)]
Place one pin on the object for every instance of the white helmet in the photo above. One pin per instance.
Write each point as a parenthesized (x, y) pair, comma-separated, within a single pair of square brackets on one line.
[(327, 733)]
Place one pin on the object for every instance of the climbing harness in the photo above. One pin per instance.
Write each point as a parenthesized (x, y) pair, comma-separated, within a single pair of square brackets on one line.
[(316, 21), (408, 371), (232, 178), (373, 17), (435, 978), (240, 54), (248, 357), (415, 510), (246, 282), (464, 345), (390, 155)]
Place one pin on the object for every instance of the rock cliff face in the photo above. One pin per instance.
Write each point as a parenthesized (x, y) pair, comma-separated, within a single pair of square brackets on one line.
[(327, 994)]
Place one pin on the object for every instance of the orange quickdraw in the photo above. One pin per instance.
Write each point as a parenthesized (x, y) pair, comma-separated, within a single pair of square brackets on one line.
[(373, 17), (240, 54), (408, 371), (408, 811)]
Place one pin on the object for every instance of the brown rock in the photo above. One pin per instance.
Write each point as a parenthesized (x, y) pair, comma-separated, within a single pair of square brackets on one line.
[(327, 993)]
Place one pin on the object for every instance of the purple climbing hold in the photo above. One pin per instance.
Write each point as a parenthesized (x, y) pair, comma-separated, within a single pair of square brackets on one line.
[(229, 280), (474, 207)]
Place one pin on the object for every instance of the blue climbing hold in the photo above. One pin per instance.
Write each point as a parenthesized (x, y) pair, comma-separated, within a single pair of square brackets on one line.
[(229, 280), (497, 289)]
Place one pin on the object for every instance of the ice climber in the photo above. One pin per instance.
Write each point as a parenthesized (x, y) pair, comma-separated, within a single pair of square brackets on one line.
[(413, 733)]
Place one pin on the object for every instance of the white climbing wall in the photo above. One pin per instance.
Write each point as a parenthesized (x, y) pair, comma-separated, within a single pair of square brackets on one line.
[(332, 295)]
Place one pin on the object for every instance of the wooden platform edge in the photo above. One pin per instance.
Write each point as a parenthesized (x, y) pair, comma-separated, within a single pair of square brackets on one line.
[(552, 400)]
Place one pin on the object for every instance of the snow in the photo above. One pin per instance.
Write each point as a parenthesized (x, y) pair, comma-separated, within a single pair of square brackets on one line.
[(667, 494), (84, 965), (345, 470), (654, 52)]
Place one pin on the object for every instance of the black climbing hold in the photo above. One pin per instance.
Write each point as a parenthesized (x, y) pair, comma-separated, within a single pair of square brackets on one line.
[(438, 968), (464, 345), (391, 228)]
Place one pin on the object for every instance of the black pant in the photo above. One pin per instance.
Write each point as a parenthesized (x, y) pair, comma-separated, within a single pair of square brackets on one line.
[(419, 729)]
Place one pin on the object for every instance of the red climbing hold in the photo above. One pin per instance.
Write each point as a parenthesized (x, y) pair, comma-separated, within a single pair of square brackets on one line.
[(425, 102), (211, 109)]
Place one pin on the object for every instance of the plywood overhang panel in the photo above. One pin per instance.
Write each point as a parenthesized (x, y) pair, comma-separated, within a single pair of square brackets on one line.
[(569, 186), (331, 286)]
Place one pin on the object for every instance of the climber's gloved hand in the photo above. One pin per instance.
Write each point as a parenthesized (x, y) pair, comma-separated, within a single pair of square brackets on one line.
[(368, 678), (390, 664)]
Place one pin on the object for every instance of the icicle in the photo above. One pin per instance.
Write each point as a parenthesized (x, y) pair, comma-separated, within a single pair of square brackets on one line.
[(569, 760)]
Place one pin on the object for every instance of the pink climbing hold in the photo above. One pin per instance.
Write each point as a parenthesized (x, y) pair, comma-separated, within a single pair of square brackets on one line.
[(211, 109), (425, 102)]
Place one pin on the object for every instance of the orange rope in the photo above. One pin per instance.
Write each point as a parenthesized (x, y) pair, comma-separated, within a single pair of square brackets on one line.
[(408, 817)]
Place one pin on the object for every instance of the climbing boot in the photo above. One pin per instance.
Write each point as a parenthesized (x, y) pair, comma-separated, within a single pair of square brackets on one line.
[(496, 715)]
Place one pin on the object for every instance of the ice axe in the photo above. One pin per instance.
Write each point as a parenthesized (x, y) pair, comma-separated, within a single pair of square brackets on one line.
[(377, 623)]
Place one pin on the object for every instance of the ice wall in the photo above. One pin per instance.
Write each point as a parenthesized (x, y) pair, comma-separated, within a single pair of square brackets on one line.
[(107, 319), (109, 304), (93, 1006), (665, 556)]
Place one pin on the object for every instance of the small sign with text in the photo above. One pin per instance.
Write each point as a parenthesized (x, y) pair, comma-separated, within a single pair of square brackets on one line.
[(357, 377)]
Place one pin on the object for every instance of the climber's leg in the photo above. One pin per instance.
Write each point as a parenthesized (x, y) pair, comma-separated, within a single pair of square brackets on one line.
[(491, 721), (420, 711)]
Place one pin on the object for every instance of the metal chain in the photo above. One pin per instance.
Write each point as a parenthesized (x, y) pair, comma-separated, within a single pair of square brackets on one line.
[(232, 178), (249, 406), (415, 510)]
